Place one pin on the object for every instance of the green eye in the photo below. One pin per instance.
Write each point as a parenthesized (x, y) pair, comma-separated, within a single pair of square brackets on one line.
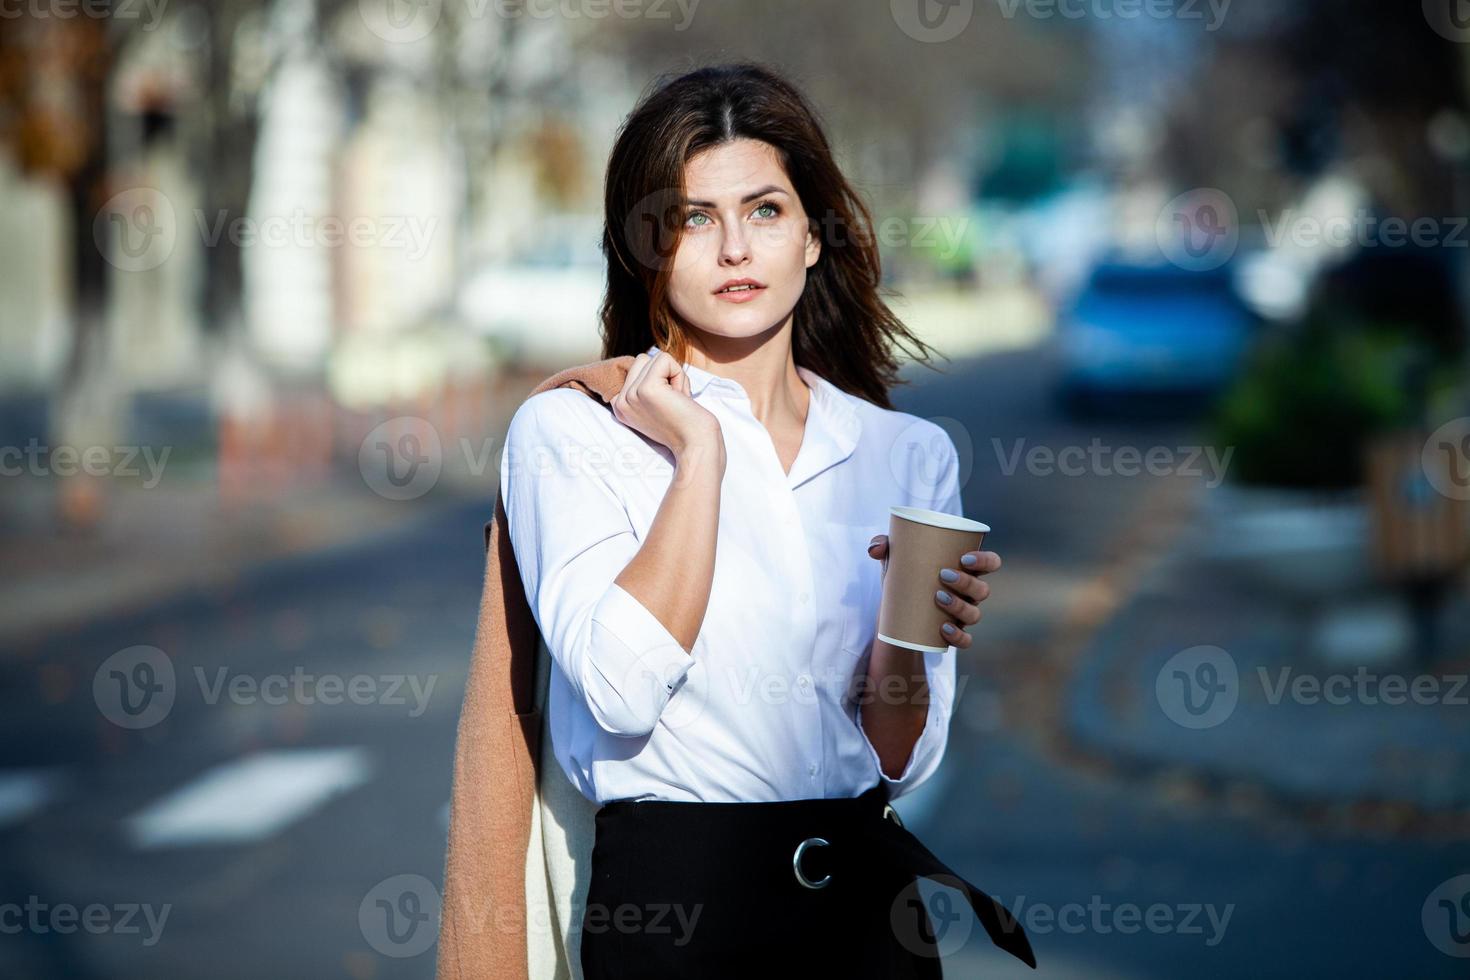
[(768, 206), (697, 214)]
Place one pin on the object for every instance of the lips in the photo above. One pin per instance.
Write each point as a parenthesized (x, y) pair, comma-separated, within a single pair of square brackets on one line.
[(739, 291), (739, 295), (737, 286)]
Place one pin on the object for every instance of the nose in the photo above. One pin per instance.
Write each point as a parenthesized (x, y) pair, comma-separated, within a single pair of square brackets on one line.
[(734, 248)]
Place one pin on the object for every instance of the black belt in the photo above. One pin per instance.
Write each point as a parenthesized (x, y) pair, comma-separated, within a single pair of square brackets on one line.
[(907, 853), (871, 831)]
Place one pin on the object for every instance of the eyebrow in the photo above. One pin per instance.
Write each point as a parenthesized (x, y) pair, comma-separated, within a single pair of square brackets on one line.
[(768, 189)]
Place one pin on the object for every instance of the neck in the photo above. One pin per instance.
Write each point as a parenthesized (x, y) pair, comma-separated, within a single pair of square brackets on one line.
[(764, 367)]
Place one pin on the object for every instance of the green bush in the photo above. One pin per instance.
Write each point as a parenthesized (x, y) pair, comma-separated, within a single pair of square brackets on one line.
[(1301, 412)]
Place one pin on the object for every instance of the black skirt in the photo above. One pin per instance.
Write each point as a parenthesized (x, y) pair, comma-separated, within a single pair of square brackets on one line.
[(772, 890)]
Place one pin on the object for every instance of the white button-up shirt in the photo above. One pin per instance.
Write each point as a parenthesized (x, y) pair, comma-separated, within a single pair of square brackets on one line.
[(764, 707)]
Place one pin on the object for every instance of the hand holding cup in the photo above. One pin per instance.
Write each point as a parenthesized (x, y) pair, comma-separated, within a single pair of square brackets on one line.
[(959, 581)]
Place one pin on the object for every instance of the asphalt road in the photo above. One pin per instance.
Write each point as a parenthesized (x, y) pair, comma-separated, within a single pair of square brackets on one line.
[(260, 824)]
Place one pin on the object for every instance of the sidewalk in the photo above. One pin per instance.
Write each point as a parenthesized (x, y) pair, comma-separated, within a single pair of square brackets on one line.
[(153, 543), (1190, 678), (235, 498)]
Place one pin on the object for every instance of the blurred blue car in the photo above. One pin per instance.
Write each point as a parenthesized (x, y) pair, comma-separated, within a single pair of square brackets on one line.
[(1142, 333)]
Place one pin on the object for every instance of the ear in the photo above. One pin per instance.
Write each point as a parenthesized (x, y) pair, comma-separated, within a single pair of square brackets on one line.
[(813, 248)]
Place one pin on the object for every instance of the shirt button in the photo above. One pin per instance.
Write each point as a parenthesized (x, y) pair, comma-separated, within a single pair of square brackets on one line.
[(804, 680), (812, 768)]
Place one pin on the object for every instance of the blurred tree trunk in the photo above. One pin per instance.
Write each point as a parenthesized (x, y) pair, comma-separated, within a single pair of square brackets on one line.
[(228, 163), (53, 76)]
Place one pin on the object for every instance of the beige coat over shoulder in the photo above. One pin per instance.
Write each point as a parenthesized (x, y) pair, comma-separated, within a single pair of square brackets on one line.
[(520, 834)]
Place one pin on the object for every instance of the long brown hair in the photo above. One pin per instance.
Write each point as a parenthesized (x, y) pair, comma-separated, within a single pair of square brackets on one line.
[(841, 329)]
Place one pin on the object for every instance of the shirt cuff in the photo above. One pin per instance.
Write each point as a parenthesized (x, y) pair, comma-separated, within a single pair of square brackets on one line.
[(923, 760), (641, 666)]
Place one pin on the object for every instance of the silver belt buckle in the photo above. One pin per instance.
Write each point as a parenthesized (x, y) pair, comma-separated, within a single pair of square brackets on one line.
[(890, 813), (796, 863)]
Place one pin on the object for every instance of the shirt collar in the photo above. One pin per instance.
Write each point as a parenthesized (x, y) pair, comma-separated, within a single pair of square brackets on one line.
[(832, 426)]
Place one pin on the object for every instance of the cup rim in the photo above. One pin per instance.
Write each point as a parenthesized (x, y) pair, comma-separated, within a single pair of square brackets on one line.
[(938, 518)]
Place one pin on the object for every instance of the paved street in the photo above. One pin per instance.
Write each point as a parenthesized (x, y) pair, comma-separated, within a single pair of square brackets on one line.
[(304, 762)]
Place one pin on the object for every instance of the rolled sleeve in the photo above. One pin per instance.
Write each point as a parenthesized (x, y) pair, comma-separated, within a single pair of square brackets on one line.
[(939, 667), (928, 751), (572, 537), (638, 664)]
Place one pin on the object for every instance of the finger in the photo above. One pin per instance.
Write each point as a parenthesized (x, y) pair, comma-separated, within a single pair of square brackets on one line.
[(630, 383), (879, 546), (972, 588), (665, 367), (966, 612), (955, 636), (980, 562), (637, 373)]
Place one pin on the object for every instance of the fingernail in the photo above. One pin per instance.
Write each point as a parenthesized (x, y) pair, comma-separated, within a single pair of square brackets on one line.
[(948, 628), (949, 575), (944, 597), (874, 543), (968, 559)]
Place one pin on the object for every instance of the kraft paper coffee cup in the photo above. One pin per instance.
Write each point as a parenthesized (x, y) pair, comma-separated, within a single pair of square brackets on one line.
[(920, 543)]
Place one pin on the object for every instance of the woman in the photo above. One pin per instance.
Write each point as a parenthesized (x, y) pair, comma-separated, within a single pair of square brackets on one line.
[(704, 562)]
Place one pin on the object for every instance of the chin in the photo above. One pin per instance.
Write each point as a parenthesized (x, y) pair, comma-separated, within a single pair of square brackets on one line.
[(742, 321)]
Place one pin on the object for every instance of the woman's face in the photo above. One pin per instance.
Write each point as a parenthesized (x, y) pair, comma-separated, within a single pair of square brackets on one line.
[(742, 220)]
